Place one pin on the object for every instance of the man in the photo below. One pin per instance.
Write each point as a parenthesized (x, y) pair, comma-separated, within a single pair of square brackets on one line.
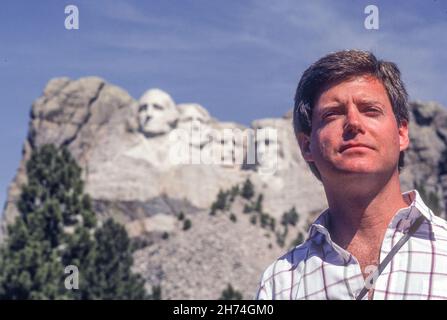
[(373, 242)]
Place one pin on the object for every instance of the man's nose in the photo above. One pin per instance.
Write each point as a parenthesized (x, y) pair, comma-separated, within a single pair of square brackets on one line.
[(353, 122)]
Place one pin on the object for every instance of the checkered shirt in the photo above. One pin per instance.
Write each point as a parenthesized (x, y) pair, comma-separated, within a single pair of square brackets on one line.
[(320, 269)]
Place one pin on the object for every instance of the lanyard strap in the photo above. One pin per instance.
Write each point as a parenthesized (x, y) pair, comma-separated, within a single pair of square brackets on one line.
[(391, 254)]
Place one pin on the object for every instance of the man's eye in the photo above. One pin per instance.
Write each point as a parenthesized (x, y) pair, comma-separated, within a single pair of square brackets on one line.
[(373, 110), (328, 115)]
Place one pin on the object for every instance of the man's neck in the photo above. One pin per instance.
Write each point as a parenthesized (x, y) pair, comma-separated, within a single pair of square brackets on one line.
[(360, 213)]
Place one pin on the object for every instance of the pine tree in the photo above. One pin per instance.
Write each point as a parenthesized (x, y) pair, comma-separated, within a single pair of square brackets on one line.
[(53, 230), (156, 293), (221, 200), (248, 189), (230, 294), (110, 275), (290, 217), (187, 224), (234, 191), (258, 205), (299, 239), (51, 201), (220, 203)]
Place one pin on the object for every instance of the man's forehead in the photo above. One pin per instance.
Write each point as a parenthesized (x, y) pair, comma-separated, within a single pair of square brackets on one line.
[(361, 88)]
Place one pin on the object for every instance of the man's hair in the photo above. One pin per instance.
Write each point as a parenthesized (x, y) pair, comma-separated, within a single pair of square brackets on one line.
[(342, 66)]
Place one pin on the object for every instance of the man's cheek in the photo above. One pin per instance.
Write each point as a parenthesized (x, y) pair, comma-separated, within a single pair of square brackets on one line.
[(325, 147)]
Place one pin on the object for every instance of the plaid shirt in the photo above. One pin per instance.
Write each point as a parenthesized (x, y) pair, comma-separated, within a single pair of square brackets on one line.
[(320, 269)]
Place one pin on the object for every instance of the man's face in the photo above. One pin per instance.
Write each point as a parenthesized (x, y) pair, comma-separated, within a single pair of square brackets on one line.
[(157, 112), (354, 130), (194, 120), (267, 147)]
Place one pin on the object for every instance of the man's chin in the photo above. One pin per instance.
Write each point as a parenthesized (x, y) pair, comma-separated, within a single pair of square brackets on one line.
[(155, 130), (359, 165), (357, 170)]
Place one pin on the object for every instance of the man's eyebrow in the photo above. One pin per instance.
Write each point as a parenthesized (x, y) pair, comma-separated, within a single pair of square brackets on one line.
[(330, 105), (370, 101), (338, 104)]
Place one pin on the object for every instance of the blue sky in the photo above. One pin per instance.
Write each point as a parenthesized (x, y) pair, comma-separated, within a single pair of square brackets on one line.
[(239, 59)]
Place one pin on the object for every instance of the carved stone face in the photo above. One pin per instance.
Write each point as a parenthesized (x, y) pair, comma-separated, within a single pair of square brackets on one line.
[(268, 148), (195, 120), (157, 112), (230, 144), (227, 147)]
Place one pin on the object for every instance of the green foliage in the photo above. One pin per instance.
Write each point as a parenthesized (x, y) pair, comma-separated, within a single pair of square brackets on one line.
[(109, 275), (272, 223), (220, 203), (298, 240), (233, 217), (54, 229), (221, 200), (280, 238), (230, 294), (234, 192), (247, 208), (139, 243), (181, 216), (156, 293), (290, 217), (187, 224), (258, 204), (165, 235), (253, 219), (248, 189), (267, 221)]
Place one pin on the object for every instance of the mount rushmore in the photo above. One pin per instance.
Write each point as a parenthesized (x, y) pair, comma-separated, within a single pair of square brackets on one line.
[(146, 161)]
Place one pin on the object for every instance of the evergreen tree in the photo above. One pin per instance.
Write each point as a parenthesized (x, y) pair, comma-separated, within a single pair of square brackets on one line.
[(299, 240), (253, 219), (258, 205), (290, 217), (51, 201), (247, 208), (220, 203), (187, 224), (156, 293), (234, 192), (248, 189), (230, 294), (55, 229), (110, 274)]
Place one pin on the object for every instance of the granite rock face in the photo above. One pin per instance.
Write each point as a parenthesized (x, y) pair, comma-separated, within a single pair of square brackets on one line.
[(426, 158), (146, 161)]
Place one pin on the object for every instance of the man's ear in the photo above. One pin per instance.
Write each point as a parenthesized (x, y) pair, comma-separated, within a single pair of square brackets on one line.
[(404, 140), (304, 142)]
